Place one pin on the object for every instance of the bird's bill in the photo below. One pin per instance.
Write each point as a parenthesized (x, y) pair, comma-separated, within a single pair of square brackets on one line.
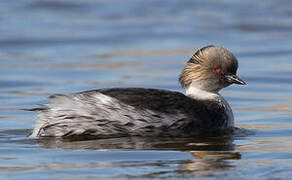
[(233, 79)]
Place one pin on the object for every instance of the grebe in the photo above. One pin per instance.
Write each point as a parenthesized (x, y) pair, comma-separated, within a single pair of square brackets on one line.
[(148, 112)]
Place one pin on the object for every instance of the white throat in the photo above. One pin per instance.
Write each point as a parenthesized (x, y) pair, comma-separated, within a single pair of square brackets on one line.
[(197, 93)]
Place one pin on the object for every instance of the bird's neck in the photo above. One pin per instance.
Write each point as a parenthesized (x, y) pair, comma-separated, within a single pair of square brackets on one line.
[(200, 94)]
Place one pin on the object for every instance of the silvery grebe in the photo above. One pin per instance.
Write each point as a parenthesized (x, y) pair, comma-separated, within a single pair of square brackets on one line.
[(148, 112)]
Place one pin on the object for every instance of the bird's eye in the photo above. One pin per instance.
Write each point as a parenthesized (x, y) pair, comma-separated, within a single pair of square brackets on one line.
[(218, 70)]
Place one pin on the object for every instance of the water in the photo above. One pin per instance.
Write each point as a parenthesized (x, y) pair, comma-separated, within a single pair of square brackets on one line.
[(69, 46)]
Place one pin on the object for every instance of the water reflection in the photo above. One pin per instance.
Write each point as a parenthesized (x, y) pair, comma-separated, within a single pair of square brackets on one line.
[(223, 143), (207, 161), (212, 153), (162, 157)]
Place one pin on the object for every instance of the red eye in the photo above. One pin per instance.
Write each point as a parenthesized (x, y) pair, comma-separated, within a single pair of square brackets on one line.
[(218, 70)]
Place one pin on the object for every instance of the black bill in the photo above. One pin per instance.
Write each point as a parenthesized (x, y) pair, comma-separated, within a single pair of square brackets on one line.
[(233, 79)]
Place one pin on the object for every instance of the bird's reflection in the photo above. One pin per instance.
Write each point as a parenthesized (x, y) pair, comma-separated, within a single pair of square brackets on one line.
[(208, 161), (211, 153), (218, 141)]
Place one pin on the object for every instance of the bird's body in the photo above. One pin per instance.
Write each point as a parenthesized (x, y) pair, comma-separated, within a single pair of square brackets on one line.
[(143, 112), (132, 111)]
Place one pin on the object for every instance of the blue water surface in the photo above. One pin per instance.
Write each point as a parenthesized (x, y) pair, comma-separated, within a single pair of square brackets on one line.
[(64, 46)]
